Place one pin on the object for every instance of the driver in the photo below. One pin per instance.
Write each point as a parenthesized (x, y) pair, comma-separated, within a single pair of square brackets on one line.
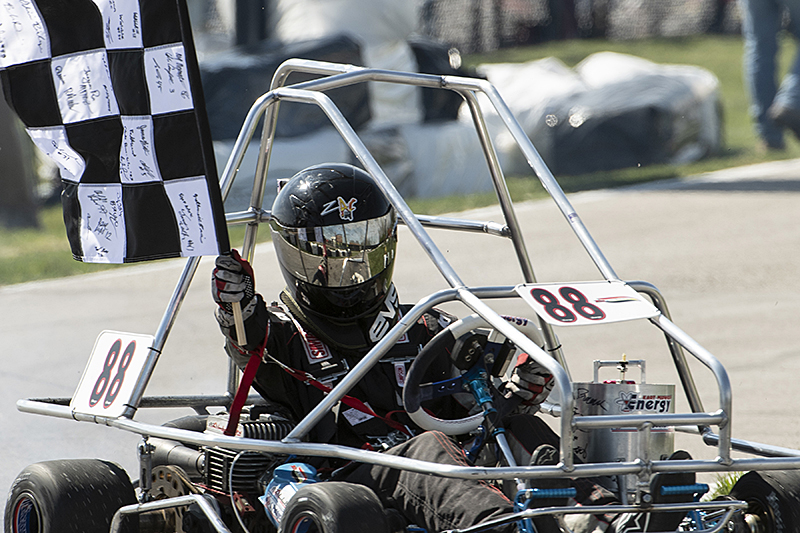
[(334, 234)]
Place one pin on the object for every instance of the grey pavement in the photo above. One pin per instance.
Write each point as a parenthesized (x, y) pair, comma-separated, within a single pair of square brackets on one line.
[(724, 249)]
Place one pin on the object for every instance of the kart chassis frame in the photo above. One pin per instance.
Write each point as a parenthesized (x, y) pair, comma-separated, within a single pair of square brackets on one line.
[(551, 357)]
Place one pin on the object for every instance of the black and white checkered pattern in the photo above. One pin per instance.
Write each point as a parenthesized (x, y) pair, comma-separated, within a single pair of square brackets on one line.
[(110, 90)]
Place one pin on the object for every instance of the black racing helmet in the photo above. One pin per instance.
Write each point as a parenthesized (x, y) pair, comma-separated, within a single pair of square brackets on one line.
[(335, 235)]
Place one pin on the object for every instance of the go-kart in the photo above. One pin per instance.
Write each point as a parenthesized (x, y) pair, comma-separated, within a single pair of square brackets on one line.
[(194, 477)]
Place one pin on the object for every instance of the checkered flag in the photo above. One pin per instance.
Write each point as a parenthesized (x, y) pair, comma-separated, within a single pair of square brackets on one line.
[(110, 91)]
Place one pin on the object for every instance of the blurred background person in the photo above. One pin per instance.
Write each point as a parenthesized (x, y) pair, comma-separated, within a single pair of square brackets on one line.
[(772, 107)]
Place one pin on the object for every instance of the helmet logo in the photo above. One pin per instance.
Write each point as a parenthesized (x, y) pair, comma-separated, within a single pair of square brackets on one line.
[(345, 208)]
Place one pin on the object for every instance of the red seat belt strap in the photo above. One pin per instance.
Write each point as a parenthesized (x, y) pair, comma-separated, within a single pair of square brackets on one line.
[(248, 376)]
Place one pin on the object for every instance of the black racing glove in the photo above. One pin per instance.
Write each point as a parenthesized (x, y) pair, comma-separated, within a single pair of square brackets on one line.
[(531, 382), (233, 281)]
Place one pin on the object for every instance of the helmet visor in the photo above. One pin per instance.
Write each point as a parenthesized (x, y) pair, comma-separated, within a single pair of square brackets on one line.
[(339, 255)]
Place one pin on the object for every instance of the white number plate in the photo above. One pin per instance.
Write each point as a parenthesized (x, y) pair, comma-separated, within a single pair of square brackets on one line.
[(589, 302), (115, 364)]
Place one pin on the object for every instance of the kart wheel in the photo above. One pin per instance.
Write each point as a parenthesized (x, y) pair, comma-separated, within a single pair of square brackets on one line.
[(68, 495), (334, 507), (773, 500)]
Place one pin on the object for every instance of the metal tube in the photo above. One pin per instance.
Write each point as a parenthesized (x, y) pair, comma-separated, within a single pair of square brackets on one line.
[(358, 75), (720, 374), (685, 374), (755, 448), (492, 228), (242, 142), (543, 358), (730, 506), (388, 76), (463, 86), (308, 66), (260, 178), (548, 180), (501, 188), (505, 449), (457, 224), (366, 363), (383, 182), (168, 319), (164, 327), (412, 465), (506, 206), (637, 421), (169, 503), (245, 217), (268, 134)]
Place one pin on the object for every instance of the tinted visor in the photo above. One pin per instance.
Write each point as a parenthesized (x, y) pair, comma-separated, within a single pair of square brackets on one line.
[(339, 255)]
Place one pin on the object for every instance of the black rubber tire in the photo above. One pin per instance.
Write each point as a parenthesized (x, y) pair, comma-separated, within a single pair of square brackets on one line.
[(68, 496), (773, 498), (334, 507)]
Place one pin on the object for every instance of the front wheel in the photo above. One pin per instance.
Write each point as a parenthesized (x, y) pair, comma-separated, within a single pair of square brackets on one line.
[(773, 500), (334, 507), (67, 496)]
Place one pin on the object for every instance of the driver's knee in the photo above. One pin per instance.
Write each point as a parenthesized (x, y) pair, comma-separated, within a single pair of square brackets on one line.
[(526, 433), (433, 446)]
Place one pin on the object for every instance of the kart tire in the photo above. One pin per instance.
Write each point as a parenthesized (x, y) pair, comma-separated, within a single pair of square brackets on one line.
[(773, 499), (68, 496), (334, 507)]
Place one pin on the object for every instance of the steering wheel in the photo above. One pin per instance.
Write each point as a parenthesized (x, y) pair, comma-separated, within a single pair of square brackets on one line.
[(415, 392)]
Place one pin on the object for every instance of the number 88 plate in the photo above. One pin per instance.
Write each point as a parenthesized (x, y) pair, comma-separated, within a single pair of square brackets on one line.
[(584, 303), (108, 381)]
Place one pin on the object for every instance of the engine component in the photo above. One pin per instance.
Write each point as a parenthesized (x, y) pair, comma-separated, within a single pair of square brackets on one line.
[(167, 482), (170, 452), (252, 425), (230, 470), (623, 396), (223, 474)]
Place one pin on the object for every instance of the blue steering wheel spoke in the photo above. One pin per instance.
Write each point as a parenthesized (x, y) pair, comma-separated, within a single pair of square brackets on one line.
[(431, 391)]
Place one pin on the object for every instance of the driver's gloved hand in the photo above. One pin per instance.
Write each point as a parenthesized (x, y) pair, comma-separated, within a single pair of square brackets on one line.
[(232, 281), (531, 382)]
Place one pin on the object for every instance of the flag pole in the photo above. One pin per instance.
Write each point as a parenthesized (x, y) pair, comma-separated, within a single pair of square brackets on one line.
[(241, 336)]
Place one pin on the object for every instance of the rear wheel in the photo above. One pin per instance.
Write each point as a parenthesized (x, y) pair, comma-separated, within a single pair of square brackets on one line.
[(69, 495), (773, 500), (334, 507)]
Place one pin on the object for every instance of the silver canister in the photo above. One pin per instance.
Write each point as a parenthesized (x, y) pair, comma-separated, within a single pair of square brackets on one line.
[(620, 397)]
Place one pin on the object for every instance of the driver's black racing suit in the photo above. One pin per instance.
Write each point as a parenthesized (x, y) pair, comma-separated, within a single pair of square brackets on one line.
[(299, 346)]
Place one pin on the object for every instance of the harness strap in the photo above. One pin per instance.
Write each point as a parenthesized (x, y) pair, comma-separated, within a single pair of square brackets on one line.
[(248, 376), (349, 401)]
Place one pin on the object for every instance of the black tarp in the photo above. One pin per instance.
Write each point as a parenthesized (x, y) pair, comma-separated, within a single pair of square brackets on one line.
[(234, 81)]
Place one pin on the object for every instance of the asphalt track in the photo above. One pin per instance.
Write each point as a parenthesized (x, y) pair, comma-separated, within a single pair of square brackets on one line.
[(723, 248)]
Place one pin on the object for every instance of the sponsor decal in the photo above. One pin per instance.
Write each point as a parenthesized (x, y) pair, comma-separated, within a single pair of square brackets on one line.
[(346, 208), (615, 300), (583, 396), (299, 474), (355, 417), (219, 426), (385, 319), (400, 373), (518, 320), (316, 350), (634, 401)]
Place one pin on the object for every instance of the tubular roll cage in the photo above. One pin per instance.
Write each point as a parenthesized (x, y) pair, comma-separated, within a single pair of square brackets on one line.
[(551, 357)]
